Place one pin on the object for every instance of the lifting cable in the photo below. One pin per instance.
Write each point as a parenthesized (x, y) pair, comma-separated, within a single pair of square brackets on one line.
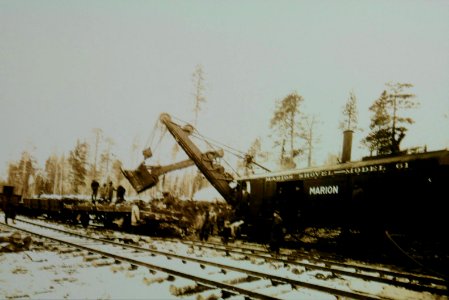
[(211, 143), (150, 140), (239, 154)]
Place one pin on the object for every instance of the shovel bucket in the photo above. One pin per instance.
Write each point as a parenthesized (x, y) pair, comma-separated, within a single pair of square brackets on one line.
[(141, 179)]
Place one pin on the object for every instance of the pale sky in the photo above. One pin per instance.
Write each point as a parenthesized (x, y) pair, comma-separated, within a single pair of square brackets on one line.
[(67, 67)]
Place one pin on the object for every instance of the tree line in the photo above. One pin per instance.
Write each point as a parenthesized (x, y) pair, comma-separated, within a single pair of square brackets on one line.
[(67, 173), (292, 131)]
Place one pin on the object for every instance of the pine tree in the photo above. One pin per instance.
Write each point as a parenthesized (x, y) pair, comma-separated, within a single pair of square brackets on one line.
[(19, 173), (51, 171), (350, 113), (378, 140), (78, 166), (286, 126), (14, 175), (307, 134), (387, 127), (39, 183), (106, 160)]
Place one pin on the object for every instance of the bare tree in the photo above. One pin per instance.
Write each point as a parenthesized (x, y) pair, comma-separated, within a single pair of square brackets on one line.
[(116, 170), (98, 134), (198, 84), (399, 100), (307, 133), (135, 149)]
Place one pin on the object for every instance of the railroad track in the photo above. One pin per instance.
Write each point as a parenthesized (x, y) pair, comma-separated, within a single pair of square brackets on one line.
[(407, 280), (239, 271)]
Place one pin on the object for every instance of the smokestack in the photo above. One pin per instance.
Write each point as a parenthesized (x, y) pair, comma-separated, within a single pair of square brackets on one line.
[(347, 146)]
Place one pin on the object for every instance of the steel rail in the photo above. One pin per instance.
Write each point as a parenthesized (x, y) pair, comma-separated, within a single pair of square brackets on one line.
[(411, 277), (223, 286), (212, 283)]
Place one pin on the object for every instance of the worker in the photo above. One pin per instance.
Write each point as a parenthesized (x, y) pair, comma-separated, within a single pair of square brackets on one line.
[(276, 234), (205, 227), (94, 185), (9, 204), (135, 215), (120, 194)]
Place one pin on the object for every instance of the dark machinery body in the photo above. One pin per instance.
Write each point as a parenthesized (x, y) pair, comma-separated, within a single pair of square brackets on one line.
[(406, 193)]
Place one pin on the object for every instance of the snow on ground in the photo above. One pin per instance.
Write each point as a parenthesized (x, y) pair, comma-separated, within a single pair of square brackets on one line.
[(42, 274), (49, 275), (53, 275)]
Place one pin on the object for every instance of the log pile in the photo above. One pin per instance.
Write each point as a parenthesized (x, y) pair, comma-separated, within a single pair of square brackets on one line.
[(14, 242)]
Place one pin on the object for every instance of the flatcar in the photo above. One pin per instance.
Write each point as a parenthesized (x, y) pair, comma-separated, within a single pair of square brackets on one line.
[(74, 210), (164, 216)]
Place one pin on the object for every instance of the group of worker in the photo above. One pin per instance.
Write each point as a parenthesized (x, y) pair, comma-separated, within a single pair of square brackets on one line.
[(210, 222), (106, 192), (206, 223)]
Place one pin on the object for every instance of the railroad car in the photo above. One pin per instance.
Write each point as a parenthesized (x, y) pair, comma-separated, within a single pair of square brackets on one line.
[(160, 217), (406, 193), (74, 210)]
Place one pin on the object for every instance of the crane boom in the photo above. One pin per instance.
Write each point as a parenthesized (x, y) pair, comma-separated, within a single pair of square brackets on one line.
[(205, 162)]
